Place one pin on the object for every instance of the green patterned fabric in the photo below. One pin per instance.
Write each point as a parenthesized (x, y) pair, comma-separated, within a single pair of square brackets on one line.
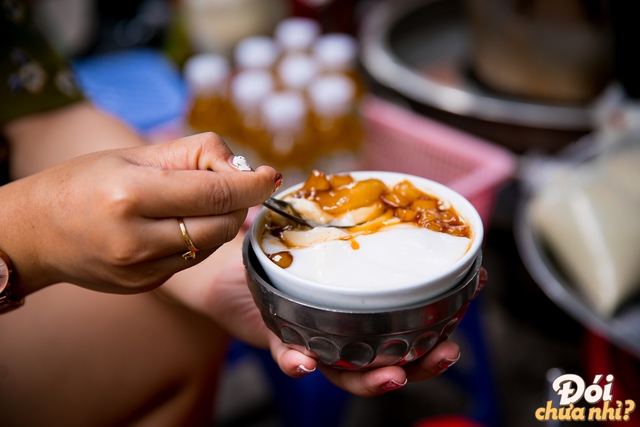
[(33, 78)]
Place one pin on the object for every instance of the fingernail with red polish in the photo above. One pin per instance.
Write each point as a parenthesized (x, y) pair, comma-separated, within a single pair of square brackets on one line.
[(240, 163), (392, 385), (301, 369), (277, 180), (446, 363)]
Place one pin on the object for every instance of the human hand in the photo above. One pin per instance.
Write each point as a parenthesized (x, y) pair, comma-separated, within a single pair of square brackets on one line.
[(376, 381), (381, 380), (107, 220)]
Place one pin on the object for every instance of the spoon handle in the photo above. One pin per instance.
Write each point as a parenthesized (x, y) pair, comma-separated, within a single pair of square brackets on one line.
[(286, 210)]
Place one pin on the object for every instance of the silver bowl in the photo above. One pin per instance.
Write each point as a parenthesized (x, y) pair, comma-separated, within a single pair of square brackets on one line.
[(359, 339)]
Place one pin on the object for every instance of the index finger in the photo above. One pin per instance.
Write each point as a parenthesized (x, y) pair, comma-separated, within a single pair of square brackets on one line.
[(168, 193), (203, 151)]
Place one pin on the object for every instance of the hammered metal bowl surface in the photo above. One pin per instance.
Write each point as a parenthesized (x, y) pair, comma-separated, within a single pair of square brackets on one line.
[(359, 339)]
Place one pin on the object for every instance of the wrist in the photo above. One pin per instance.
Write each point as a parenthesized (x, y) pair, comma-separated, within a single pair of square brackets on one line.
[(8, 300), (16, 245), (17, 285)]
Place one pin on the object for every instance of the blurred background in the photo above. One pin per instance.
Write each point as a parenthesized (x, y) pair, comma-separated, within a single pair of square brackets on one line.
[(526, 107)]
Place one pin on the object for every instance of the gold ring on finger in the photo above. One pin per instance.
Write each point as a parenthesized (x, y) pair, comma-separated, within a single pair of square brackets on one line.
[(191, 253)]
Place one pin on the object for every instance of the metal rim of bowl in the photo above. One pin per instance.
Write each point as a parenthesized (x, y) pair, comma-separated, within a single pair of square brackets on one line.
[(390, 70), (359, 321)]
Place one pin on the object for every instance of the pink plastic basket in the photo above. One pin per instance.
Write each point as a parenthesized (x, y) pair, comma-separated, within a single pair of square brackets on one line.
[(401, 141)]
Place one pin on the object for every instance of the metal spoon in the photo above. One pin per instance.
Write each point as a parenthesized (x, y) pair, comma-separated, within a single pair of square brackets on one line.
[(286, 210)]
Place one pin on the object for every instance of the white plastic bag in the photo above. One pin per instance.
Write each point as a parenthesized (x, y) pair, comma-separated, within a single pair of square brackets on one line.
[(589, 215)]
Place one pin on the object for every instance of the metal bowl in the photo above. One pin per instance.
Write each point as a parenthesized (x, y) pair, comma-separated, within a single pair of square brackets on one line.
[(359, 339)]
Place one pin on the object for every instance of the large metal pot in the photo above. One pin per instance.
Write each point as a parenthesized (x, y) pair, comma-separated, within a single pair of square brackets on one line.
[(420, 53)]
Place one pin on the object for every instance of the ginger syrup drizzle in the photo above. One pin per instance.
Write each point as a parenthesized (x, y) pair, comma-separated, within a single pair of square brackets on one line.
[(284, 258)]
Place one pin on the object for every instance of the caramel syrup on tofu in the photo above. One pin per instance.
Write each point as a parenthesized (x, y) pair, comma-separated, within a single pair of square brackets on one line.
[(282, 259), (354, 244), (337, 194), (404, 203)]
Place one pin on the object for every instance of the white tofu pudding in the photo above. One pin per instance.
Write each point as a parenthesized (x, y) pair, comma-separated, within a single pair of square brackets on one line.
[(415, 239)]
